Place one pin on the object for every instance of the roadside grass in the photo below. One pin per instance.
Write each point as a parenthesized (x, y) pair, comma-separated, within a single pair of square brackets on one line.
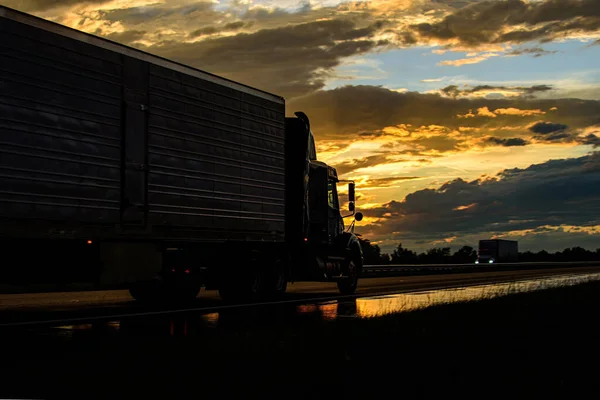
[(543, 344)]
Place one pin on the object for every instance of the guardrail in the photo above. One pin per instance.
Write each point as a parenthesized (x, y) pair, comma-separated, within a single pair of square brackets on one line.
[(418, 269)]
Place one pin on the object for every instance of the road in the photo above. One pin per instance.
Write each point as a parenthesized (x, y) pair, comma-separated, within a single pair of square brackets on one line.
[(79, 305)]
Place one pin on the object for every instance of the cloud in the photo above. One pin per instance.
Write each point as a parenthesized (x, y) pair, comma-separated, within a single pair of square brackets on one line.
[(513, 21), (301, 56), (554, 193), (228, 27), (534, 51), (545, 128), (510, 142), (590, 139), (485, 112), (127, 37), (386, 182), (516, 111), (486, 90), (355, 164), (341, 113), (431, 80), (44, 5), (469, 60)]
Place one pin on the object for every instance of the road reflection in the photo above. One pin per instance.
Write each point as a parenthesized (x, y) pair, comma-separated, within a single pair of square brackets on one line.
[(289, 314), (382, 305)]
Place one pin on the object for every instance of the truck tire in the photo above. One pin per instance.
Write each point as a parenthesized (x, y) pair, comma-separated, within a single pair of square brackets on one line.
[(349, 284), (182, 291), (276, 280), (164, 291), (146, 292), (244, 286)]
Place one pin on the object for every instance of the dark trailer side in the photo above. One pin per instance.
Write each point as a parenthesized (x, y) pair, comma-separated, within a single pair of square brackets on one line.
[(124, 168)]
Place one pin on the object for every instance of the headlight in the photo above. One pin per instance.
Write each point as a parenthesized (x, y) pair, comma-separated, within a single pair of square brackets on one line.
[(476, 261), (491, 261)]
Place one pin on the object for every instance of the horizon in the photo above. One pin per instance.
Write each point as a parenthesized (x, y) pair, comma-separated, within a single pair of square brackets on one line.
[(459, 120)]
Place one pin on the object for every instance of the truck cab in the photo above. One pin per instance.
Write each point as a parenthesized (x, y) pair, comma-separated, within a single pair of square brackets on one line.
[(326, 221), (322, 249)]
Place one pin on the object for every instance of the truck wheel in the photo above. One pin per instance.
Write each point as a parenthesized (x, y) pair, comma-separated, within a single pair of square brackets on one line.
[(348, 285), (181, 286), (145, 291), (187, 291), (276, 280), (246, 286)]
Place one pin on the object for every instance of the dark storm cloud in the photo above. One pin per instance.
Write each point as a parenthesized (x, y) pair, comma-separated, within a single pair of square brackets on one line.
[(510, 142), (514, 21), (455, 91), (545, 128), (346, 110), (299, 56), (552, 193)]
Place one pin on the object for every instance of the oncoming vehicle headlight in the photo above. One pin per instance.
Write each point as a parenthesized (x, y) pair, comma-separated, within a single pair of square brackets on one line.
[(476, 261), (491, 261)]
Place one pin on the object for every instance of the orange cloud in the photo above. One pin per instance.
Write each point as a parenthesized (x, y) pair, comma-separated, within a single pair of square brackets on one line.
[(516, 111), (485, 112), (461, 208), (468, 60), (467, 115)]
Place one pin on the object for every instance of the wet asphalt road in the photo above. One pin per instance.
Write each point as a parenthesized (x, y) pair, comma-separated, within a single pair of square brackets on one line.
[(28, 308), (119, 349)]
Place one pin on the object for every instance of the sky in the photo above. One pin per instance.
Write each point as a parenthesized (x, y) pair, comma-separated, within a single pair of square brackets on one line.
[(459, 120)]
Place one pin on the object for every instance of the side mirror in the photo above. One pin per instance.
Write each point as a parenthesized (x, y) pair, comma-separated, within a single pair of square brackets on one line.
[(351, 196), (358, 216)]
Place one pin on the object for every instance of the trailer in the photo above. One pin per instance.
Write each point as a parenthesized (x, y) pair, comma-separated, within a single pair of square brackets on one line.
[(497, 250), (131, 170)]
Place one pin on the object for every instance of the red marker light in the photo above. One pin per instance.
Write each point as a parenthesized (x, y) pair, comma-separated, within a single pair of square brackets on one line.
[(306, 239), (187, 271), (89, 242), (172, 269)]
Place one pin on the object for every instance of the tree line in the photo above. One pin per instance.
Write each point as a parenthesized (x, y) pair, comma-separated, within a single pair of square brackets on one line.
[(466, 254)]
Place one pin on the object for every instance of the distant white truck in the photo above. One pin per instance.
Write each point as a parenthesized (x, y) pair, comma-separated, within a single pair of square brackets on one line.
[(497, 250)]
